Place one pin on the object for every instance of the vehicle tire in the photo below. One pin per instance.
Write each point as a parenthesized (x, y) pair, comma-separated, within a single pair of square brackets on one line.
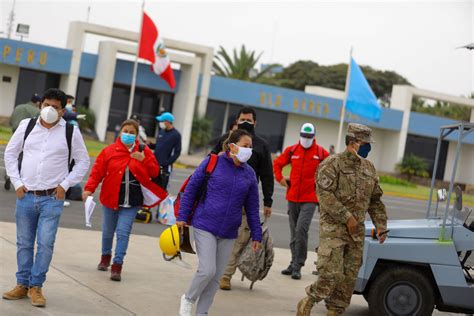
[(401, 291)]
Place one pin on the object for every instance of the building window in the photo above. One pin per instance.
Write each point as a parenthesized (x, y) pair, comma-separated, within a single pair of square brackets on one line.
[(83, 92), (425, 148), (32, 81), (147, 104)]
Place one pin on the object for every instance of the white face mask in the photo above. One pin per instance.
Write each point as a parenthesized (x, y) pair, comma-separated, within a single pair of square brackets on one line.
[(306, 142), (162, 125), (244, 154), (49, 114)]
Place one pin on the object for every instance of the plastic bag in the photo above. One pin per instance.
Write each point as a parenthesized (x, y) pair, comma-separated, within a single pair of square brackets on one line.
[(166, 211)]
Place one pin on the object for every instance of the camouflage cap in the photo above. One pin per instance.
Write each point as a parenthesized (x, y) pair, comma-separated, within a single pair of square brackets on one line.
[(360, 132)]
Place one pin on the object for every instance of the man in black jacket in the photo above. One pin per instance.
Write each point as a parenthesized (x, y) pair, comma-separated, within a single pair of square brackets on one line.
[(261, 162)]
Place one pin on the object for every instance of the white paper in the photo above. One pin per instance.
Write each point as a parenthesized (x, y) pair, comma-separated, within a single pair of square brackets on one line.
[(89, 206)]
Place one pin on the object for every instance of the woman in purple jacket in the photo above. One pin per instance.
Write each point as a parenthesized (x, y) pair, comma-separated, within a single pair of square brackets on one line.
[(216, 219)]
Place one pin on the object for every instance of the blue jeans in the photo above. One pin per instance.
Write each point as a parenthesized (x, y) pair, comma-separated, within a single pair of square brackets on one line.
[(117, 221), (37, 217)]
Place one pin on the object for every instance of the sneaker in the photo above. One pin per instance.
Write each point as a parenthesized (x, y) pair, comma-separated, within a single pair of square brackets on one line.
[(67, 203), (186, 307), (37, 298), (17, 293)]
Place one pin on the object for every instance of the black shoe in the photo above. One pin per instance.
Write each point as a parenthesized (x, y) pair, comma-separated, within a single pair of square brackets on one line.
[(296, 274), (7, 184), (287, 271)]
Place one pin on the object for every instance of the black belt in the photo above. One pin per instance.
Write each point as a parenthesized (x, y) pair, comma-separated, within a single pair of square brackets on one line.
[(42, 192)]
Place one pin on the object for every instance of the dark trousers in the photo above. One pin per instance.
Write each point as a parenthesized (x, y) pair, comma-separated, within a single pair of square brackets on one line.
[(164, 177), (300, 216)]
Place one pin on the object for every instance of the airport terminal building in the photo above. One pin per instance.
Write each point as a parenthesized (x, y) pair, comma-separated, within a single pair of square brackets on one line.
[(102, 82)]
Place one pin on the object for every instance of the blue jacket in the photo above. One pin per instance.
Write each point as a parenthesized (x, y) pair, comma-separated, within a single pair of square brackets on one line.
[(229, 189)]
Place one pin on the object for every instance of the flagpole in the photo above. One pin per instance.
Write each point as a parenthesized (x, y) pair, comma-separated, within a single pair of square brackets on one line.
[(343, 110), (135, 66)]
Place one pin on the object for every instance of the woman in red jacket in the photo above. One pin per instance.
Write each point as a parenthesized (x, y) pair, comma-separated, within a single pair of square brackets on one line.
[(125, 170), (304, 157)]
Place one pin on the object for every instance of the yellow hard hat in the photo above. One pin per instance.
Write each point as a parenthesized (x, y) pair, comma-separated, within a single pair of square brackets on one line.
[(169, 243)]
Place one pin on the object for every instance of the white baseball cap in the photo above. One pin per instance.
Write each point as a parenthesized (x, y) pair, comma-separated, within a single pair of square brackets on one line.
[(307, 130)]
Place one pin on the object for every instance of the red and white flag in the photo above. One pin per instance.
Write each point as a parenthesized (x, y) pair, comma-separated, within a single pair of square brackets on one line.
[(153, 49)]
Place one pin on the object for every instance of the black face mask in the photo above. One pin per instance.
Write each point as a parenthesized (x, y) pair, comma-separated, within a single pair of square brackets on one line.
[(247, 126), (364, 150)]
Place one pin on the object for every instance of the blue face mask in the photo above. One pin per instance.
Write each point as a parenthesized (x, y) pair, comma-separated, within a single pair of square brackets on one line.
[(364, 150), (127, 139)]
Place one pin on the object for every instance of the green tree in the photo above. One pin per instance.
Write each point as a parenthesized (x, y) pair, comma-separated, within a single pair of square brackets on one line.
[(87, 125), (443, 109), (201, 133), (412, 165), (305, 72), (240, 65)]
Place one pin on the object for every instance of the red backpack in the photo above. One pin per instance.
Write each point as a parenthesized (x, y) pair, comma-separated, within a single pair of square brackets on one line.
[(211, 166)]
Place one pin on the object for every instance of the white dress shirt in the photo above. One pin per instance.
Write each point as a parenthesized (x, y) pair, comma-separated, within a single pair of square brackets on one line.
[(45, 157)]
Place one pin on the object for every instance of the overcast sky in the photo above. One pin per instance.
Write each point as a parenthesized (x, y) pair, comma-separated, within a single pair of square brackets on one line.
[(417, 39)]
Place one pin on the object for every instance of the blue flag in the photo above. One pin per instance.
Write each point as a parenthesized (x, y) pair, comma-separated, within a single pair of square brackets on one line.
[(361, 99)]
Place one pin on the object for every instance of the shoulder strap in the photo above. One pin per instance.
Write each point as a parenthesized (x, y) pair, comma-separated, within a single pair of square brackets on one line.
[(29, 128), (293, 149), (69, 131), (211, 164)]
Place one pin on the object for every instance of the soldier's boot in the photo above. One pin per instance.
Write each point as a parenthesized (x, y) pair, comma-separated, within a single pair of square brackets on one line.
[(332, 312), (304, 306), (224, 284)]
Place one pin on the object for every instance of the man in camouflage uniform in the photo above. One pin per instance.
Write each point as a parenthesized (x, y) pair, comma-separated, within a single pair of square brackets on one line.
[(347, 187)]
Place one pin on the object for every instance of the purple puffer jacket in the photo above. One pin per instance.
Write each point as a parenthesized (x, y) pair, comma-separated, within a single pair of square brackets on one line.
[(229, 189)]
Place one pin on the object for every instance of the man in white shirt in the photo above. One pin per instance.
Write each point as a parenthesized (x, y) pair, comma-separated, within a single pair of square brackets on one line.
[(41, 178)]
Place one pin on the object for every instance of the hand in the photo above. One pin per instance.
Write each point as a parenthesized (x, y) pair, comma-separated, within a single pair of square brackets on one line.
[(180, 224), (60, 193), (85, 195), (267, 211), (20, 192), (381, 237), (352, 225), (138, 155), (284, 183), (256, 245), (81, 116)]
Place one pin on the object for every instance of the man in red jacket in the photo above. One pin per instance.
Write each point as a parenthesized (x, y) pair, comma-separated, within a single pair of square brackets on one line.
[(304, 157)]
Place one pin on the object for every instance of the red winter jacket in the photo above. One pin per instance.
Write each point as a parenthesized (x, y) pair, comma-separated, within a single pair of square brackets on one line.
[(304, 165), (110, 166)]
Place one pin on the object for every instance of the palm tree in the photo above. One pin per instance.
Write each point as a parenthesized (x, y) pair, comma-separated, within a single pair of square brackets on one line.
[(240, 66)]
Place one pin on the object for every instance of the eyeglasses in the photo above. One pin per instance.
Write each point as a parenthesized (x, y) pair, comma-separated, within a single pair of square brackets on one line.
[(54, 106)]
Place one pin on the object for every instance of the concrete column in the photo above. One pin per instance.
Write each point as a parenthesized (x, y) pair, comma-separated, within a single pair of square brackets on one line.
[(75, 42), (101, 91), (8, 89), (185, 102), (206, 66), (401, 100), (472, 116)]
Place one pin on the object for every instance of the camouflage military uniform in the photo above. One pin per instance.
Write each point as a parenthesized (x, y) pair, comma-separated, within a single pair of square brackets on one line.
[(347, 186)]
